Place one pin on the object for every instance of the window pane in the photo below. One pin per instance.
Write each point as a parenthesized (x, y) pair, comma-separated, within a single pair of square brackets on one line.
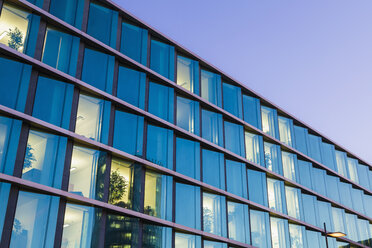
[(257, 188), (276, 197), (121, 231), (214, 214), (19, 29), (128, 133), (158, 195), (363, 173), (252, 111), (290, 166), (35, 220), (53, 102), (352, 232), (305, 172), (286, 130), (301, 135), (132, 86), (87, 172), (332, 187), (309, 204), (273, 158), (345, 200), (238, 219), (328, 155), (183, 240), (212, 129), (313, 239), (187, 211), (81, 226), (44, 158), (236, 178), (352, 168), (338, 216), (125, 184), (93, 118), (293, 199), (298, 236), (341, 163), (9, 137), (211, 87), (160, 146), (161, 101), (188, 158), (162, 59), (70, 11), (232, 99), (364, 234), (279, 232), (188, 115), (213, 168), (318, 177), (102, 18), (98, 69), (188, 74), (260, 229), (234, 138), (61, 50), (314, 147), (253, 148), (269, 121), (212, 244), (4, 197), (358, 202), (157, 236), (134, 42), (14, 95), (325, 214)]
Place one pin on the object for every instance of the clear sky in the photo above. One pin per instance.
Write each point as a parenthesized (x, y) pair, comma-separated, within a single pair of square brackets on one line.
[(313, 58)]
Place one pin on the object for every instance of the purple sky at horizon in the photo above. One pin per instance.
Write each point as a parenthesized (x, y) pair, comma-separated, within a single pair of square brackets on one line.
[(311, 58)]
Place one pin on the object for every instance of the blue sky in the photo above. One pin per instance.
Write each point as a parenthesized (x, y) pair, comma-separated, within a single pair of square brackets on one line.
[(312, 58)]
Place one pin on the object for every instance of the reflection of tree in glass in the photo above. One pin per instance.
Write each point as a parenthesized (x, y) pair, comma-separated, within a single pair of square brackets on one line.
[(149, 210), (15, 38), (207, 219), (17, 226), (29, 157), (118, 187)]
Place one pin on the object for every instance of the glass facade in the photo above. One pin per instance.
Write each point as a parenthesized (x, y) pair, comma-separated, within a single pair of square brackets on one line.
[(98, 151)]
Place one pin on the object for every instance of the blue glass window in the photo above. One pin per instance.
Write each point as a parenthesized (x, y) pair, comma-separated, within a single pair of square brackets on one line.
[(345, 197), (357, 197), (162, 59), (314, 239), (187, 210), (254, 148), (352, 165), (156, 236), (161, 101), (352, 232), (318, 177), (78, 226), (297, 234), (102, 18), (236, 178), (70, 11), (273, 158), (211, 87), (19, 29), (363, 173), (341, 163), (87, 172), (9, 137), (325, 214), (214, 214), (45, 158), (276, 195), (213, 168), (4, 197), (188, 158), (310, 207), (121, 230), (260, 229), (212, 127), (61, 51), (234, 138), (252, 111), (332, 184), (98, 69), (134, 42), (338, 216), (328, 155), (232, 99), (53, 102), (14, 95), (160, 146), (290, 167), (257, 189), (301, 139), (38, 3), (286, 130), (128, 133), (314, 147), (35, 220), (364, 234), (305, 173), (93, 118), (158, 195), (238, 220), (279, 232), (188, 74), (270, 121), (132, 86), (293, 199), (187, 240), (188, 115), (213, 244)]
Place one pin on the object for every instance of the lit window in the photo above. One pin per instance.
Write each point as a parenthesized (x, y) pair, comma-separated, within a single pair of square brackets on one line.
[(286, 130), (211, 87), (290, 170), (269, 121), (272, 158), (275, 195), (279, 232), (253, 148), (188, 74), (214, 214), (188, 115)]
